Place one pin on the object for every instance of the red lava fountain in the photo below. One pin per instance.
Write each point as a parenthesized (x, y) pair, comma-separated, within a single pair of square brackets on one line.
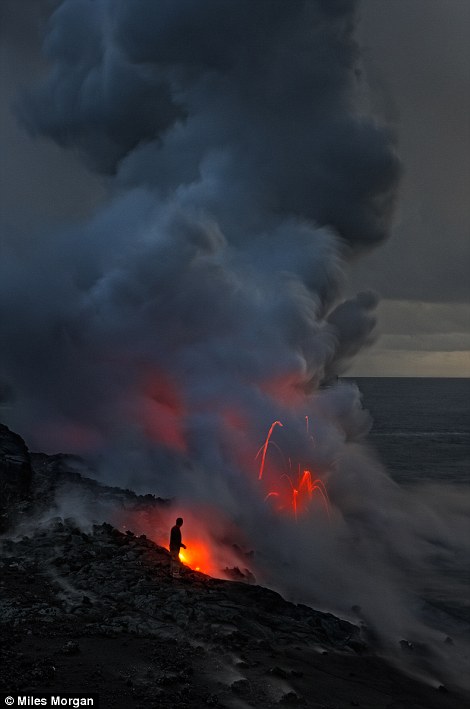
[(293, 494)]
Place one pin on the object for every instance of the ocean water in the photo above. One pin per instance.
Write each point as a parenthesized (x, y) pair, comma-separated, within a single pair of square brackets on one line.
[(421, 427), (421, 430)]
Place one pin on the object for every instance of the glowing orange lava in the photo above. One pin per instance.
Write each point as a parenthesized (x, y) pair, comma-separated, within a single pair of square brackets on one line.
[(197, 556), (291, 493), (264, 448), (208, 535), (297, 495)]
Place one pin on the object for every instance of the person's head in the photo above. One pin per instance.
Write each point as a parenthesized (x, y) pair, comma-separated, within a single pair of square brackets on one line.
[(179, 521)]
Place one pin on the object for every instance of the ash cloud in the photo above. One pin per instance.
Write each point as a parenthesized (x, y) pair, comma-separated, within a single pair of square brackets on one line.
[(204, 300)]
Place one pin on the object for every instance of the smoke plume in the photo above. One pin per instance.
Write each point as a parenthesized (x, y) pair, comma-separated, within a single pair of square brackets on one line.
[(203, 302)]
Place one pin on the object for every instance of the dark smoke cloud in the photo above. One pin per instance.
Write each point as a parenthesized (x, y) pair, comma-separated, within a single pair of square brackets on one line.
[(258, 97), (353, 322), (204, 300), (226, 130), (95, 100)]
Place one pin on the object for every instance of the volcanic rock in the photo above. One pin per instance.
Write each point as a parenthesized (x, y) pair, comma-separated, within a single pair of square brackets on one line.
[(15, 477), (93, 608), (102, 607)]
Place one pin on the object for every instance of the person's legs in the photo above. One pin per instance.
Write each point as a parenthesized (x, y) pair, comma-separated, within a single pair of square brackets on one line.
[(175, 563)]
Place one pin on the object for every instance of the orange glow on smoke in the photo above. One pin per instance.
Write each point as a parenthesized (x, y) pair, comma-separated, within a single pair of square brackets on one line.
[(236, 436), (234, 419), (61, 435), (287, 389), (163, 411)]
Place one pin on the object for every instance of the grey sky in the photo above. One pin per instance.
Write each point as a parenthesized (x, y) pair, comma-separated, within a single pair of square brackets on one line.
[(40, 184), (417, 56)]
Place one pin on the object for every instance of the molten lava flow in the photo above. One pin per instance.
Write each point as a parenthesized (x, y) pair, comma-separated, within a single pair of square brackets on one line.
[(264, 448), (198, 556)]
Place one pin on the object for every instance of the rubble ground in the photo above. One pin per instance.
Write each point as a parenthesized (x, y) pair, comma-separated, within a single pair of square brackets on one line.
[(100, 612)]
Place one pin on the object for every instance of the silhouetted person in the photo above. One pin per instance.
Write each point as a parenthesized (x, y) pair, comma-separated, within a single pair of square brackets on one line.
[(175, 546)]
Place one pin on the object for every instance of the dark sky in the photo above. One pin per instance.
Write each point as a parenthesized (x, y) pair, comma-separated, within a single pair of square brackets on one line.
[(417, 61)]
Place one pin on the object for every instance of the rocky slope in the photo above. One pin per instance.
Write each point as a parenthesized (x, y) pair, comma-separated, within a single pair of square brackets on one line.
[(96, 609), (15, 476)]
